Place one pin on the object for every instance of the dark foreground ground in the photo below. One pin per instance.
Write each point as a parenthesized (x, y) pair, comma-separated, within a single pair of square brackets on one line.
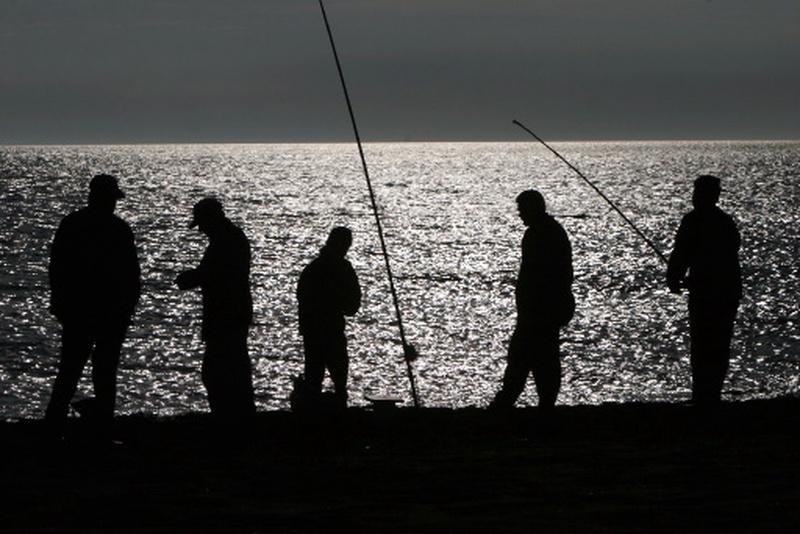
[(617, 468)]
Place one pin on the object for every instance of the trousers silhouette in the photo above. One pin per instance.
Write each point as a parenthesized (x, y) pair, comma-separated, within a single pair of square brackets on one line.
[(711, 329), (533, 350), (78, 343)]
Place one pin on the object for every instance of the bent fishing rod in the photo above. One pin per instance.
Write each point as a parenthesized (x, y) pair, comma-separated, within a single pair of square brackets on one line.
[(409, 352), (597, 190)]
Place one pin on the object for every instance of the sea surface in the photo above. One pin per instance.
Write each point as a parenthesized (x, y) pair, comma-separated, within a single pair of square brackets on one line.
[(453, 237)]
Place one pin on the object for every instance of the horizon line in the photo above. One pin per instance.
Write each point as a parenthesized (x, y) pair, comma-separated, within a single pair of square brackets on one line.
[(405, 141)]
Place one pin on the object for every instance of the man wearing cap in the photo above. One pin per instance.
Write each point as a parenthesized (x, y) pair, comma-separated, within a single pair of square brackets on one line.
[(224, 279), (544, 305), (707, 248), (94, 282)]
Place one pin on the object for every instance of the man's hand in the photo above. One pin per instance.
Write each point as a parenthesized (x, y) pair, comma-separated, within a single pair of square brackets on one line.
[(188, 279), (57, 312), (677, 287)]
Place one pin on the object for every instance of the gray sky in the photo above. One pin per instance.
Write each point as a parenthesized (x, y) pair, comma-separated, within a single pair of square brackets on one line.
[(114, 71)]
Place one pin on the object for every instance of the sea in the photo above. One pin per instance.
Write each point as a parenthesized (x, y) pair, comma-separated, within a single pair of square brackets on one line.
[(453, 239)]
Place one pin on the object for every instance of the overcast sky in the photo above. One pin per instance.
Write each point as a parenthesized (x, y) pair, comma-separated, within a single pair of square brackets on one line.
[(147, 71)]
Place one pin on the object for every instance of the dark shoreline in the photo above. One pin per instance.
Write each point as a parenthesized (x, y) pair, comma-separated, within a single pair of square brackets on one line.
[(614, 467)]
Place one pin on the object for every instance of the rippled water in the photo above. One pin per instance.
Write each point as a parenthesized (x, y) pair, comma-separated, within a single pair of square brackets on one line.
[(453, 234)]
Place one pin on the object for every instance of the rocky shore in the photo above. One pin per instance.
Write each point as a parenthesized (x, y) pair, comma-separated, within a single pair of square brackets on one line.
[(615, 468)]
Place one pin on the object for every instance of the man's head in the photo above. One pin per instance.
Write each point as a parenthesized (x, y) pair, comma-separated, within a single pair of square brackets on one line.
[(104, 192), (339, 241), (531, 206), (206, 214), (706, 191)]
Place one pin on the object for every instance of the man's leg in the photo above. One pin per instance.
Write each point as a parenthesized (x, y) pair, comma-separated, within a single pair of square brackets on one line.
[(716, 344), (105, 361), (210, 374), (227, 374), (711, 328), (517, 369), (546, 365), (313, 362), (76, 344), (337, 363), (239, 386)]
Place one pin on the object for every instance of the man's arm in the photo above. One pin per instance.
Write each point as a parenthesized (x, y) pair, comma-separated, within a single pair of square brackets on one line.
[(134, 289), (678, 262), (188, 279), (57, 273), (352, 292)]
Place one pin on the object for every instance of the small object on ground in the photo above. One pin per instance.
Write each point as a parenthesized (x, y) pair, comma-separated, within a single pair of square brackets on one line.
[(383, 402), (86, 408)]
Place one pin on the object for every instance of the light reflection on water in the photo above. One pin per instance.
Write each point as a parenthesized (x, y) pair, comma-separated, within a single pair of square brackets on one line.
[(453, 233)]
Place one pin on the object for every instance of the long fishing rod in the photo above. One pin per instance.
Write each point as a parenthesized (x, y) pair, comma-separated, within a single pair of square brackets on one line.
[(409, 352), (579, 173)]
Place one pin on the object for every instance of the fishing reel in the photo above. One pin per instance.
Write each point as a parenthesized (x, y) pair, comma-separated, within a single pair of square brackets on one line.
[(410, 352)]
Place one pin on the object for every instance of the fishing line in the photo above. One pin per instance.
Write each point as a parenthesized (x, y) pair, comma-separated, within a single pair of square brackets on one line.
[(409, 352), (579, 173)]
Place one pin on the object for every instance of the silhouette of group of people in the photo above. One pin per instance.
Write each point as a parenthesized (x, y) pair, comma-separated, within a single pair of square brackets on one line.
[(95, 286)]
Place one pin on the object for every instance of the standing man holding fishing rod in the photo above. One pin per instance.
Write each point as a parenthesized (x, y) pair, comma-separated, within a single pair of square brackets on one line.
[(707, 247), (544, 304)]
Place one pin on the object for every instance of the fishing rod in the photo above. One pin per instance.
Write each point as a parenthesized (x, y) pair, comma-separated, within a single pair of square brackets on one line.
[(409, 352), (579, 173)]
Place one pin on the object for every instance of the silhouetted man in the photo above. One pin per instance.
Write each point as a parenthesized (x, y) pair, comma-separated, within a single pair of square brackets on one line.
[(544, 304), (94, 282), (707, 247), (224, 279), (328, 290)]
